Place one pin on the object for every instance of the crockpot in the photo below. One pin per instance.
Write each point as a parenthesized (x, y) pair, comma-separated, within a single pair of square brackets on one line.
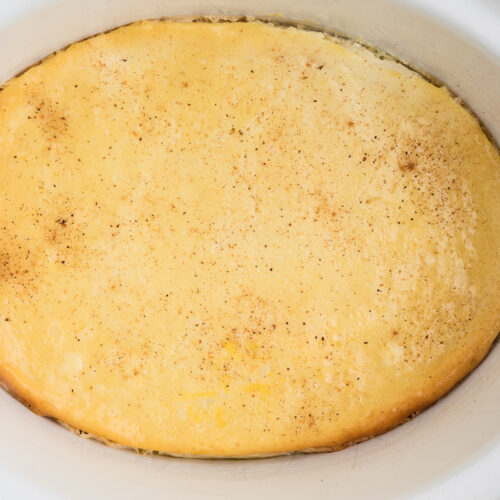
[(452, 450)]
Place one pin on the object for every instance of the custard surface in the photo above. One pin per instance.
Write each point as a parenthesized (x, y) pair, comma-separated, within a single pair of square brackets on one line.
[(229, 239)]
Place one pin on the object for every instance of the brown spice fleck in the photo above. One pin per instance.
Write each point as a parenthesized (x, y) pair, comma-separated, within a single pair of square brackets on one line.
[(407, 167)]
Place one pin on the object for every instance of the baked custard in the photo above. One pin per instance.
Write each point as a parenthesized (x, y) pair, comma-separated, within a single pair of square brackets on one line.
[(235, 239)]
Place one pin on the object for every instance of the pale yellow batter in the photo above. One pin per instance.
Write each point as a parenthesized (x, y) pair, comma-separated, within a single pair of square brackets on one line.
[(233, 238)]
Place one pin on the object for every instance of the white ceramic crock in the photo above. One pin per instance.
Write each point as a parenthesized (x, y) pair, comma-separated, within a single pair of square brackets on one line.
[(450, 451)]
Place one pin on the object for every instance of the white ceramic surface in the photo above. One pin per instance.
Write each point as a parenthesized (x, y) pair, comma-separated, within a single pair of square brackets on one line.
[(450, 451)]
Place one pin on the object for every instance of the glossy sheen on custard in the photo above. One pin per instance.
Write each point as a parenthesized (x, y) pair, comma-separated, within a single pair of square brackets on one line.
[(232, 239)]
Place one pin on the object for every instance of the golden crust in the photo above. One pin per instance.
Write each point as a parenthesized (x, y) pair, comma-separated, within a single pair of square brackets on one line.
[(240, 240), (405, 415)]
